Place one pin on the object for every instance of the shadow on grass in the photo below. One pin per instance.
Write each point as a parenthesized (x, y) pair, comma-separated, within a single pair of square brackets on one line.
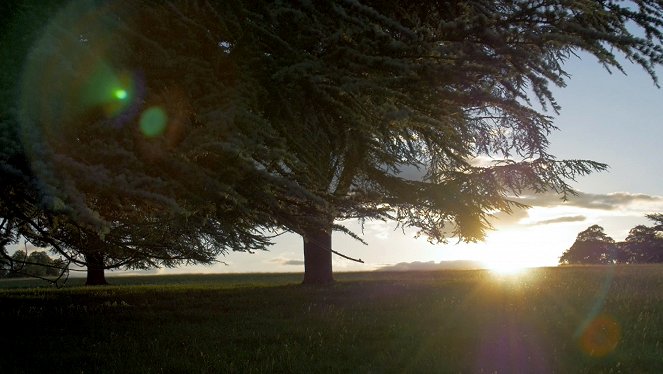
[(462, 321)]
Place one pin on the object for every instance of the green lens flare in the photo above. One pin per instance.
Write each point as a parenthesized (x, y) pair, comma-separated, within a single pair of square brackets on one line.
[(153, 122), (112, 91), (120, 94)]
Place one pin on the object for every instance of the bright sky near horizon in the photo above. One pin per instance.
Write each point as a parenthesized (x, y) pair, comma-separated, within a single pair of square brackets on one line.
[(616, 119)]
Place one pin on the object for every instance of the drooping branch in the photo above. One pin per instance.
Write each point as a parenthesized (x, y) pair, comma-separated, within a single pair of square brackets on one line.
[(347, 257)]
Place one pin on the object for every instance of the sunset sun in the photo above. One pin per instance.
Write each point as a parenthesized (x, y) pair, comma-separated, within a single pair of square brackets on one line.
[(507, 268)]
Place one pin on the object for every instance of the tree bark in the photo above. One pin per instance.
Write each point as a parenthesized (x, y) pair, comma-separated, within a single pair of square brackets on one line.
[(95, 269), (318, 257)]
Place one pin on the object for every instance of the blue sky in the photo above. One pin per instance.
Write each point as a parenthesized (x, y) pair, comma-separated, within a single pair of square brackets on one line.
[(611, 118)]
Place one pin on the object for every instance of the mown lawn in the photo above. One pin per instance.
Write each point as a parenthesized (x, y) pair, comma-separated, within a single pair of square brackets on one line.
[(564, 320)]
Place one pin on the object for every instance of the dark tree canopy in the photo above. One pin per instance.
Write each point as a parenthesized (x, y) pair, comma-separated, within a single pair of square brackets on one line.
[(155, 133), (644, 244), (592, 246), (86, 168), (364, 90), (36, 264)]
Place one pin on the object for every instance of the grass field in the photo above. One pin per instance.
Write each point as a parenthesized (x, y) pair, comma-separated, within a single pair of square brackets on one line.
[(564, 320)]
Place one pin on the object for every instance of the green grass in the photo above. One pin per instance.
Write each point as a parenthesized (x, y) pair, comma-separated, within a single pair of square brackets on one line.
[(453, 321)]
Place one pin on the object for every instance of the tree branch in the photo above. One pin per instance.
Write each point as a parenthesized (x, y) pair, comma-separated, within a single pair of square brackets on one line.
[(347, 257)]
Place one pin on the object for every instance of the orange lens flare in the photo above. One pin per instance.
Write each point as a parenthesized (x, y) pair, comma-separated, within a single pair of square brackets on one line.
[(601, 336)]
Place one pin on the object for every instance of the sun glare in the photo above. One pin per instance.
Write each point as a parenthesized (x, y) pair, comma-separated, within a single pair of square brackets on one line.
[(507, 268)]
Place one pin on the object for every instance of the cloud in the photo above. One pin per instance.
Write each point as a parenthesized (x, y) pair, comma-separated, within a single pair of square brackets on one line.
[(578, 218), (615, 200), (293, 262), (432, 265), (548, 208), (29, 247), (508, 219), (123, 273), (286, 262), (611, 201), (379, 229)]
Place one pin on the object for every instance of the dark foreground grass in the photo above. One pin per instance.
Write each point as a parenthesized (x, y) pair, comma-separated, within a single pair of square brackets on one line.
[(564, 320)]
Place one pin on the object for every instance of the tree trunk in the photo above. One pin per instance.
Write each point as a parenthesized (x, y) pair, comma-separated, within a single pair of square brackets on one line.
[(95, 269), (318, 257)]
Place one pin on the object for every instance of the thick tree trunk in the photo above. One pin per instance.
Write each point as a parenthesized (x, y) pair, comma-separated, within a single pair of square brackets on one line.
[(318, 257), (95, 269)]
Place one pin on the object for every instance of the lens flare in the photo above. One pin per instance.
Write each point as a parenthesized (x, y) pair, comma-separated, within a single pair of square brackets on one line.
[(120, 94), (153, 122), (105, 87), (601, 336), (71, 83)]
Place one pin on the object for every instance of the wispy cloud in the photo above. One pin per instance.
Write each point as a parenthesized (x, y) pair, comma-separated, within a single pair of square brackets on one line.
[(379, 229), (507, 219), (286, 262), (549, 208), (611, 201), (565, 219), (432, 265)]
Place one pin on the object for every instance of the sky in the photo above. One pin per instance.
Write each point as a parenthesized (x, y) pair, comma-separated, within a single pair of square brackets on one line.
[(612, 118)]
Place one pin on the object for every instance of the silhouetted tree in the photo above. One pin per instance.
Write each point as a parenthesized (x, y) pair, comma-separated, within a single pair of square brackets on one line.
[(36, 264), (658, 220), (5, 265), (361, 91), (19, 193), (83, 173), (249, 116), (645, 244), (592, 246)]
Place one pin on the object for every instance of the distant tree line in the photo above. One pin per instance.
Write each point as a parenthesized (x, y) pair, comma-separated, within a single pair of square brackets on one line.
[(644, 244), (36, 264)]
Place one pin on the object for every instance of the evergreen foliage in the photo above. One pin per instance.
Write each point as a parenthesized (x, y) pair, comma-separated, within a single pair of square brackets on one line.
[(89, 185), (294, 115), (363, 91)]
